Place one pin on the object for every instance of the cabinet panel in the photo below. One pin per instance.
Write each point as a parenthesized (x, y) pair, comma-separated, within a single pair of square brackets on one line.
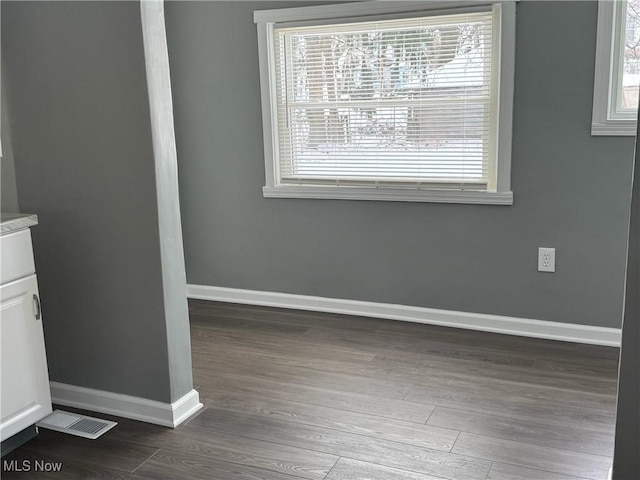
[(25, 397), (16, 253)]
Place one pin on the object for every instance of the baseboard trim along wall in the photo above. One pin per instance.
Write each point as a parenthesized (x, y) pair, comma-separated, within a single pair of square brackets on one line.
[(135, 408), (568, 332)]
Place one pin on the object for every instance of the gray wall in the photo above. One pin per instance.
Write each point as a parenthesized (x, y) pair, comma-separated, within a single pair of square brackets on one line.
[(85, 164), (626, 462), (571, 189), (8, 189)]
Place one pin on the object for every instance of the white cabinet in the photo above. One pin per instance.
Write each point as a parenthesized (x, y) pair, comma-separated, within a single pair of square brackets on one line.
[(24, 381)]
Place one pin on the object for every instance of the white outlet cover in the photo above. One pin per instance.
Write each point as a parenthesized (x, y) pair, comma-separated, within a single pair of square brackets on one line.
[(546, 259)]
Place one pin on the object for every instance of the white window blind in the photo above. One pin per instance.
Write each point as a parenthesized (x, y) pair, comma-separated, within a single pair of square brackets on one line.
[(629, 64), (404, 103), (617, 68)]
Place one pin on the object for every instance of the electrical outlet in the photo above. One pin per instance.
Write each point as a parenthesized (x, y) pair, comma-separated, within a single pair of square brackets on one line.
[(546, 259)]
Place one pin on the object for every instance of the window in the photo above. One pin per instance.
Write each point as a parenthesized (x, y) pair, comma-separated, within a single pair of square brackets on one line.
[(388, 101), (617, 75)]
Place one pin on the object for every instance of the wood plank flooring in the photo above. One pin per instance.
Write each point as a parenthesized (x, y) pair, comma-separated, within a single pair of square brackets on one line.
[(299, 395)]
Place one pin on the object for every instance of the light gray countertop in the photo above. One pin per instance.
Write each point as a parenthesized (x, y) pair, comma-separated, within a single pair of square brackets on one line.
[(12, 222)]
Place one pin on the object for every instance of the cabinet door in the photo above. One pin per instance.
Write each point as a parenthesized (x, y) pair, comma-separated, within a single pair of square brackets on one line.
[(25, 397)]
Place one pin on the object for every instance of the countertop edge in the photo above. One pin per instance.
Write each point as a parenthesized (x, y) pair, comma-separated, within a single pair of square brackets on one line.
[(13, 222)]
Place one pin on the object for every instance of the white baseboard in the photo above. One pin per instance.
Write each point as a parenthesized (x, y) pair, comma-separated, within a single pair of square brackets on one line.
[(568, 332), (135, 408)]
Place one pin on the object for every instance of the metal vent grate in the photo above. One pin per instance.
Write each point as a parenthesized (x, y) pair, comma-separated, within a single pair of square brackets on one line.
[(75, 424)]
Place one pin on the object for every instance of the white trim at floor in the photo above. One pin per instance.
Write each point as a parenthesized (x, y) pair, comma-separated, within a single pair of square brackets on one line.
[(135, 408), (568, 332)]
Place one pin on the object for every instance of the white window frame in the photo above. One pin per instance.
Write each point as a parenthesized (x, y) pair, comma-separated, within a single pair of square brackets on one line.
[(607, 118), (504, 41)]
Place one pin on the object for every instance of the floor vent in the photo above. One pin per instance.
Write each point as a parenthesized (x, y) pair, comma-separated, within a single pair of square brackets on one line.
[(74, 424)]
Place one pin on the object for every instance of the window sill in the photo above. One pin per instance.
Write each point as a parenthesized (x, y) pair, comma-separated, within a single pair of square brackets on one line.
[(614, 128), (388, 194)]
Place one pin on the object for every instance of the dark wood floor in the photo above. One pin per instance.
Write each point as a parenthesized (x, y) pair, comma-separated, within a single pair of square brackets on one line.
[(304, 395)]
